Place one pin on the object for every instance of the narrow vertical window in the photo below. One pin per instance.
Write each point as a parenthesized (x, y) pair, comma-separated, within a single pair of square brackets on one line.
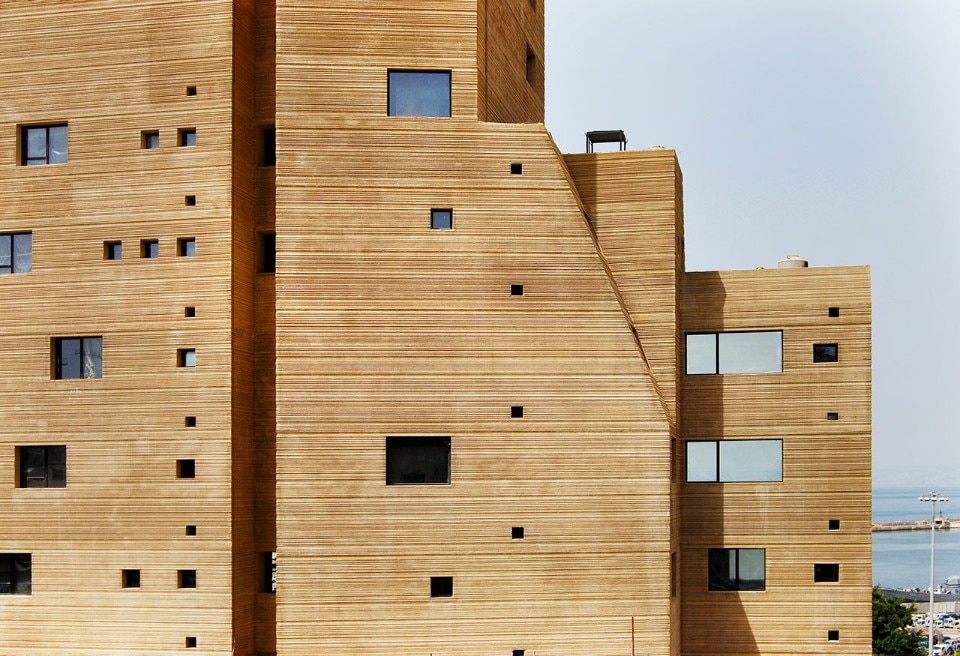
[(270, 571), (268, 252), (268, 155)]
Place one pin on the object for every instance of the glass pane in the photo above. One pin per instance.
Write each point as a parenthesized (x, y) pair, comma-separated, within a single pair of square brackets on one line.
[(58, 144), (751, 353), (701, 462), (92, 357), (188, 248), (723, 566), (22, 253), (751, 460), (702, 354), (441, 219), (56, 466), (752, 569), (36, 144), (6, 252), (33, 469), (69, 363), (189, 358), (6, 573), (419, 93), (418, 460)]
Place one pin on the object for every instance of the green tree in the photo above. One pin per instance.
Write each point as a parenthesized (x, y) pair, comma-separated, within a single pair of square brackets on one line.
[(890, 619)]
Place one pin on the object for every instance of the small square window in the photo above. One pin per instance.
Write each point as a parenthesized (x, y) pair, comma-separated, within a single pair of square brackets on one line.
[(149, 249), (187, 137), (825, 353), (441, 219), (186, 357), (833, 525), (150, 139), (191, 91), (516, 168), (112, 250), (516, 290), (826, 573), (43, 144), (441, 586), (516, 533), (833, 635), (516, 411), (833, 416), (189, 311), (833, 312), (190, 422), (191, 530), (186, 468), (187, 578), (268, 252), (130, 578), (191, 642), (16, 573), (190, 200), (268, 155), (518, 652), (187, 247)]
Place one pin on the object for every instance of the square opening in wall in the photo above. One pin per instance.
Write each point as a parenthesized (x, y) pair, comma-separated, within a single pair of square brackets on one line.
[(187, 358), (191, 530), (834, 525), (516, 532), (187, 137), (187, 247), (833, 416), (833, 312), (516, 290), (191, 642), (187, 578), (186, 468), (518, 652), (833, 635), (150, 139), (191, 91), (516, 168), (441, 586), (516, 411), (130, 578), (189, 311), (149, 249), (190, 200), (112, 250), (826, 353), (441, 219), (190, 422)]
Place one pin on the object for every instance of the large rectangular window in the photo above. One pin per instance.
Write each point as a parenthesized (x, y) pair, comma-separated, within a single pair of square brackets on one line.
[(418, 460), (735, 353), (16, 573), (418, 93), (16, 252), (735, 461), (42, 466), (43, 144), (78, 357), (737, 569)]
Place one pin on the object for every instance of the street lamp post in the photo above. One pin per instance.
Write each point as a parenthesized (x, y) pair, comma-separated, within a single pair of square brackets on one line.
[(933, 498)]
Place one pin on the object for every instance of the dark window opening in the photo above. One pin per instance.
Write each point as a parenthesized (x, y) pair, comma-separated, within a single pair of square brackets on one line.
[(833, 312), (187, 137), (270, 571), (825, 353), (186, 468), (518, 652), (190, 422), (191, 642), (418, 460), (833, 416), (187, 578), (187, 247), (16, 573), (268, 155), (191, 530), (190, 200), (441, 586), (531, 66), (516, 533), (516, 290), (42, 466), (418, 93), (516, 411), (516, 168), (16, 252), (833, 525), (149, 248), (833, 635), (43, 144), (112, 250), (268, 252), (150, 139), (187, 358), (130, 578), (441, 219), (78, 357), (737, 569), (191, 91), (826, 573), (189, 311)]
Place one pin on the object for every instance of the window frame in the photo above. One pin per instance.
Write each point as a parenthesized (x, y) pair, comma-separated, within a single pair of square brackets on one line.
[(441, 218), (718, 354), (27, 160), (51, 461), (719, 459), (395, 108), (17, 259), (13, 581), (737, 582), (58, 359), (826, 572), (394, 473), (826, 352)]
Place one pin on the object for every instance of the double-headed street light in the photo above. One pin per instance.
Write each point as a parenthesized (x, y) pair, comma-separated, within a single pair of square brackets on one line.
[(933, 498)]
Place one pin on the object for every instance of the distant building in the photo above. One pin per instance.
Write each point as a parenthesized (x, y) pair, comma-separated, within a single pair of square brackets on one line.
[(315, 344)]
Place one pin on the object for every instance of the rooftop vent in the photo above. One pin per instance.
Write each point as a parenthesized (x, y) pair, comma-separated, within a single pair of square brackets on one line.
[(792, 262), (606, 136)]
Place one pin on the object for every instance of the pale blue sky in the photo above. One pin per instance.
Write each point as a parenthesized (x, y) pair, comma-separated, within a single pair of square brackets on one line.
[(823, 128)]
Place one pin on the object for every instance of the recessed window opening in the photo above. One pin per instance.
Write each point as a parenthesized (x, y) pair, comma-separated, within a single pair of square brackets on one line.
[(735, 352), (737, 569), (833, 525), (826, 353), (826, 573), (190, 422), (418, 93), (269, 571), (441, 586), (833, 635), (42, 466), (187, 578), (112, 250), (516, 168), (150, 139), (441, 219), (833, 416), (16, 573), (78, 357), (191, 642), (516, 533), (268, 154), (516, 411), (833, 312), (191, 91), (191, 530), (268, 252), (187, 246), (43, 144), (187, 137), (518, 652), (16, 252), (189, 311), (418, 460), (149, 249), (186, 468), (130, 578), (190, 201), (516, 290), (735, 461), (187, 357), (531, 70)]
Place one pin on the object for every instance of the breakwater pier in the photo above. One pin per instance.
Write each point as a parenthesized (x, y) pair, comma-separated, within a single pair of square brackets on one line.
[(943, 524)]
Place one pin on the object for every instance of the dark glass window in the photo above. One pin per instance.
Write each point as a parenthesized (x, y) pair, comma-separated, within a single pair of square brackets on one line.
[(833, 312), (43, 144), (825, 353), (516, 290), (16, 573), (441, 586), (112, 250), (418, 460), (130, 578), (150, 139), (150, 249), (270, 571), (187, 578), (186, 468), (826, 573), (187, 137), (516, 411), (833, 635), (78, 357), (187, 247), (418, 93), (268, 252), (737, 569), (441, 219), (16, 252), (43, 466), (516, 533), (833, 525), (269, 154)]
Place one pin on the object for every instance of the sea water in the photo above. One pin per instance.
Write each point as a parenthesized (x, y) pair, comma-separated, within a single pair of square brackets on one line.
[(901, 559)]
